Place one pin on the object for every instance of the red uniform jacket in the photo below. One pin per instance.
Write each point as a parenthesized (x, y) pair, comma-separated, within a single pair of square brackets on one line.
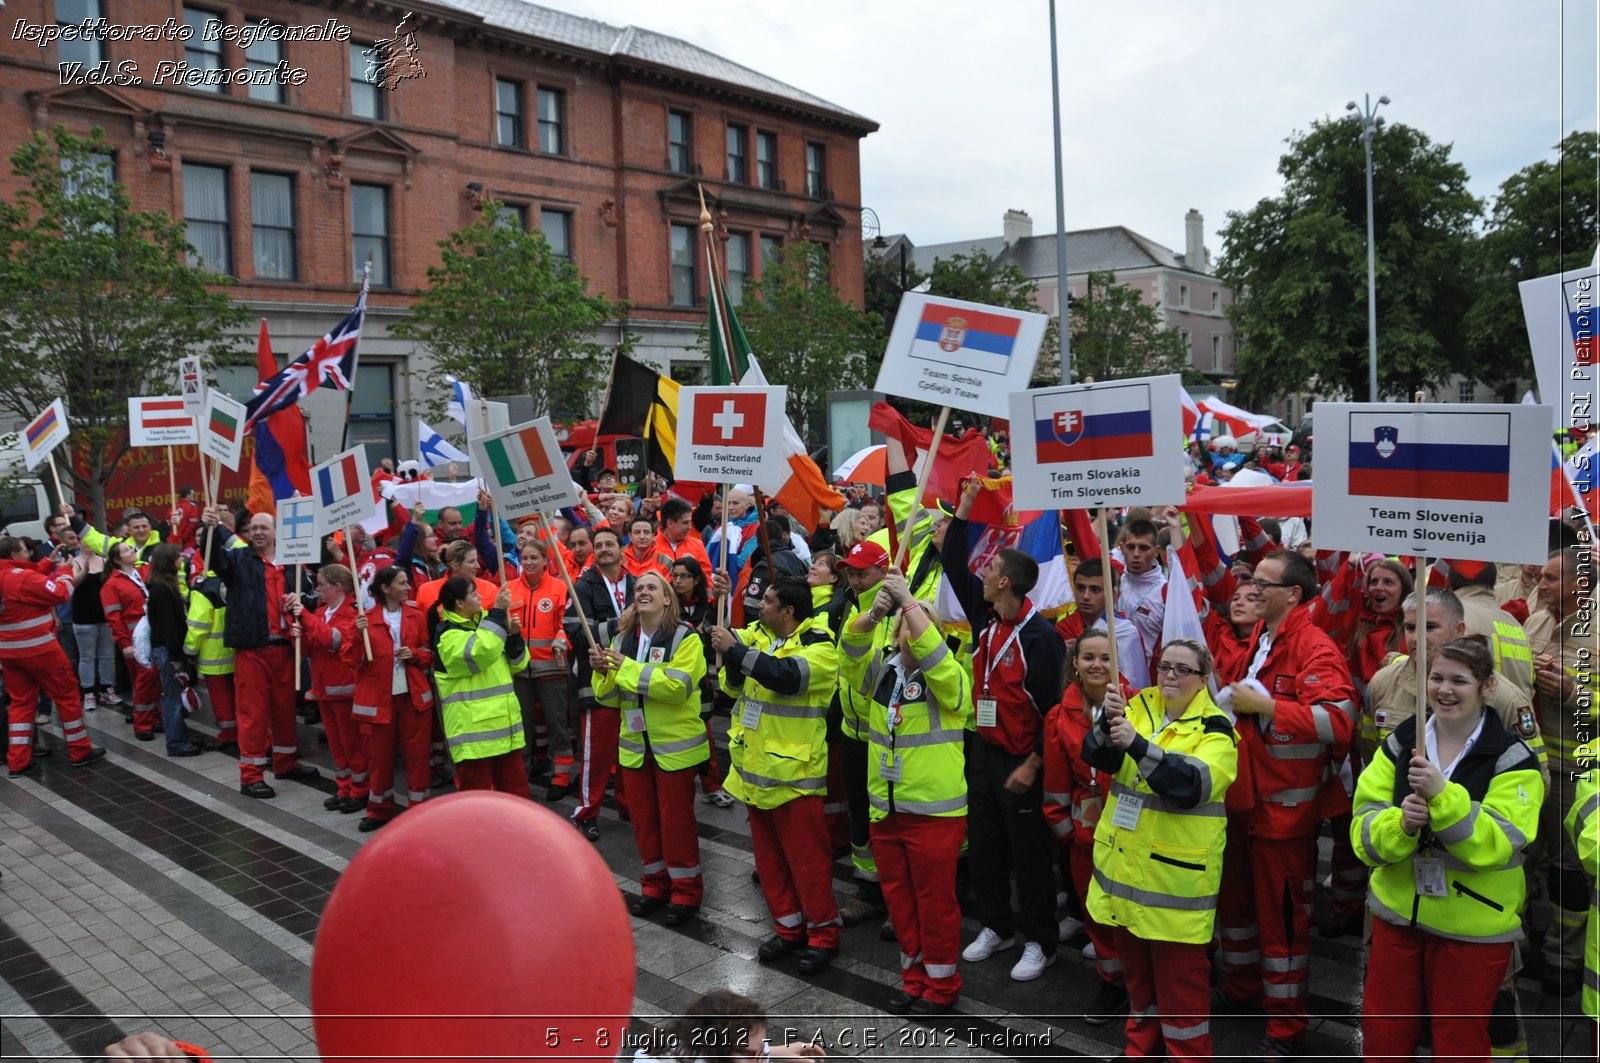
[(375, 679), (28, 601), (1074, 793), (123, 600), (328, 631)]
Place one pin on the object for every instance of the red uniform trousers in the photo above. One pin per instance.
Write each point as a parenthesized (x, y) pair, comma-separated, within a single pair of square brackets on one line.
[(835, 803), (1169, 998), (1349, 873), (597, 752), (709, 770), (796, 869), (146, 697), (1080, 857), (916, 858), (1236, 916), (1458, 997), (263, 680), (504, 772), (409, 726), (220, 690), (1282, 869), (662, 807), (50, 671), (346, 746)]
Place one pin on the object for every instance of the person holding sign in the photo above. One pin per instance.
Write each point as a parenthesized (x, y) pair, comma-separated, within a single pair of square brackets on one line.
[(393, 700), (919, 702), (1016, 661), (783, 670), (651, 671), (539, 600), (124, 598), (475, 654), (604, 593), (327, 630), (1171, 754), (1444, 819)]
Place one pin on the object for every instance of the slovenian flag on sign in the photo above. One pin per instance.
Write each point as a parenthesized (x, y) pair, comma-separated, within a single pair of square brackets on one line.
[(517, 457), (1107, 424), (339, 480), (961, 336), (1441, 456), (223, 425)]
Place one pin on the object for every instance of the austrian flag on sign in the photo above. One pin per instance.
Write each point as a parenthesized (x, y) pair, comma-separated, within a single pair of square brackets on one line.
[(160, 421)]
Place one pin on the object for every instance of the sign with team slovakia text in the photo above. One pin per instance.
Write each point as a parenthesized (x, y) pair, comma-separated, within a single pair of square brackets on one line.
[(341, 490), (1435, 479), (160, 421), (298, 540), (1087, 445), (964, 355), (523, 469), (731, 435)]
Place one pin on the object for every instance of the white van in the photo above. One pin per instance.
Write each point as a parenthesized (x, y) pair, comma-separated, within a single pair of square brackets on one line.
[(24, 500)]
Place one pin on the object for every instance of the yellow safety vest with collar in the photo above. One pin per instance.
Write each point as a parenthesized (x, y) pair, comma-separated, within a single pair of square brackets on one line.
[(473, 663), (1583, 824), (855, 699), (779, 748), (1565, 721), (1461, 878), (204, 638), (1158, 845), (659, 699), (919, 714)]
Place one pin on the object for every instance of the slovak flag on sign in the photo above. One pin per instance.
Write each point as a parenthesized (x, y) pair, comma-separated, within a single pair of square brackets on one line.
[(730, 419), (1445, 456), (1094, 425)]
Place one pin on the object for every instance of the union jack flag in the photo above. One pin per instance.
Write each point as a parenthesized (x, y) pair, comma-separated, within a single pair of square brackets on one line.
[(330, 363)]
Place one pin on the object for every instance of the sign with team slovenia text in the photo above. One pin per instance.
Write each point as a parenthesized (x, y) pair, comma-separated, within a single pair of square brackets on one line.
[(1087, 445), (968, 356)]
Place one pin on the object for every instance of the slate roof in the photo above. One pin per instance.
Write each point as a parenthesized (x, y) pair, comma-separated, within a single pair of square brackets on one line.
[(1088, 250)]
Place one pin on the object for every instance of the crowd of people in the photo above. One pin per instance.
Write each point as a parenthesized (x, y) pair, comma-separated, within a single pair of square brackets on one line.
[(889, 698)]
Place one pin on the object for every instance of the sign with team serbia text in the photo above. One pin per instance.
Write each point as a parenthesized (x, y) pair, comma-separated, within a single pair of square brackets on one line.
[(1087, 445), (1462, 480), (967, 356)]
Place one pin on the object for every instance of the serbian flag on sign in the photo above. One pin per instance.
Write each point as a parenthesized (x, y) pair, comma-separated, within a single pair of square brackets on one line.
[(729, 419), (966, 337), (340, 480), (1100, 425), (1442, 456), (518, 457)]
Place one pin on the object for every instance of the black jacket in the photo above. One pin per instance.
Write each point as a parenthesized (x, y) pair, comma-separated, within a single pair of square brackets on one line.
[(784, 559), (244, 574), (599, 609), (168, 614)]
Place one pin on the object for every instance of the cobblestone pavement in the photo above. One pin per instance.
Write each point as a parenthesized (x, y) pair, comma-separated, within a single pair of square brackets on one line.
[(147, 892)]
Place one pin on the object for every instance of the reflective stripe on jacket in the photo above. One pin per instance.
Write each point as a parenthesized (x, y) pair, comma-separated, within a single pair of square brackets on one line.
[(665, 690), (204, 638), (784, 687), (473, 664)]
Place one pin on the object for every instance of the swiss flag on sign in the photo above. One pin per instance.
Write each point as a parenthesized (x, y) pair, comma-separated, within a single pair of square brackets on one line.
[(729, 419)]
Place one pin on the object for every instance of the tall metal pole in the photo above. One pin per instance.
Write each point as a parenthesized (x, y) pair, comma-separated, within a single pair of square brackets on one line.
[(1372, 274), (1061, 208)]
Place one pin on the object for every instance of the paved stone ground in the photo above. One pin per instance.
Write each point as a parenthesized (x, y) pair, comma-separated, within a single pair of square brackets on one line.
[(144, 892)]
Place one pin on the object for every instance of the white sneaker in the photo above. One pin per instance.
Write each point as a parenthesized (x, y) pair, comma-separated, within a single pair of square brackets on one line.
[(985, 945), (1032, 964), (1089, 952), (1071, 927), (89, 702)]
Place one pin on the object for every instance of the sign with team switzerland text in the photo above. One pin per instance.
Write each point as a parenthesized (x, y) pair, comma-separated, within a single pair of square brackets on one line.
[(222, 428), (41, 435), (731, 435), (191, 385), (298, 540), (160, 421), (1433, 479), (341, 489), (1087, 445), (524, 469), (967, 356)]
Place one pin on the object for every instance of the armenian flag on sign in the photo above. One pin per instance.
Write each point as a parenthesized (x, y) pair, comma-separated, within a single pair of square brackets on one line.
[(40, 435), (42, 425), (1441, 456)]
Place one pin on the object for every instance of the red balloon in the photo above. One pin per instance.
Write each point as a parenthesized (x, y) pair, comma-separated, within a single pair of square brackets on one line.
[(478, 925)]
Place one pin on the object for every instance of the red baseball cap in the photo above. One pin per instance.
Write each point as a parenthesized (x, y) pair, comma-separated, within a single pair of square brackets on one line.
[(867, 555)]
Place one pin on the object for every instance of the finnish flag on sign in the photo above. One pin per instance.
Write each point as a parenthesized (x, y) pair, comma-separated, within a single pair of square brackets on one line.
[(341, 489), (734, 435)]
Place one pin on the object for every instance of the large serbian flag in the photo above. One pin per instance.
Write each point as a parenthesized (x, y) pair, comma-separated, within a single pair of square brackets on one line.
[(1444, 456), (962, 336), (1104, 425)]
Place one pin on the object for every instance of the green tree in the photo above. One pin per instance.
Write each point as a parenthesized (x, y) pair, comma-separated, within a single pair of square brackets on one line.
[(1546, 219), (507, 315), (1298, 262), (886, 280), (979, 277), (1116, 334), (806, 337), (99, 303)]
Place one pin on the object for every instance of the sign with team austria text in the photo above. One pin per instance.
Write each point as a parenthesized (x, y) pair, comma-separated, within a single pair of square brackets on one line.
[(1465, 481), (1087, 445), (523, 469), (968, 356), (731, 435)]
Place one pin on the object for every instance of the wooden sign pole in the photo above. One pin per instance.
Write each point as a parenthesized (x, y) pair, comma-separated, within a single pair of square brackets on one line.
[(922, 485), (1110, 613), (572, 589)]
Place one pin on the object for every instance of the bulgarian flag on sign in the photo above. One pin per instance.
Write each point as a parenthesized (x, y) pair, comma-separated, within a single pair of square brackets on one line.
[(224, 425), (517, 457)]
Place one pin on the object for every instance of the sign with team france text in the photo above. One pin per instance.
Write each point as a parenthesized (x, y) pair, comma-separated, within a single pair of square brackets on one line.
[(298, 541), (731, 435), (967, 356), (1082, 446), (1466, 480)]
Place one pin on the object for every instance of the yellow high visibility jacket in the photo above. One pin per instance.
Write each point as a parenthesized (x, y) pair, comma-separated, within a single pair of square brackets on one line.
[(204, 638), (856, 655), (659, 698), (1583, 824), (778, 748), (473, 661)]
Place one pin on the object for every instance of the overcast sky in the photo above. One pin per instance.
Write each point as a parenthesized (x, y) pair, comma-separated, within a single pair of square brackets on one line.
[(1165, 105)]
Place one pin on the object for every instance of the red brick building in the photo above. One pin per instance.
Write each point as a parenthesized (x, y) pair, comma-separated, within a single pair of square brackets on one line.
[(259, 122)]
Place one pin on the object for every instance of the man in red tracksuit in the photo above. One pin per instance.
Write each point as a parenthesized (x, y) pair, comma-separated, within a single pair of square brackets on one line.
[(1292, 734), (30, 657)]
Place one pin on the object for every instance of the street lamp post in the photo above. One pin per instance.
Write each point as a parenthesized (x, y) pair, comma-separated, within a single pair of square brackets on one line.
[(1061, 209), (1370, 124)]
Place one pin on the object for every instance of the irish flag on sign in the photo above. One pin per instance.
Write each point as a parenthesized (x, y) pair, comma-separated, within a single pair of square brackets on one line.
[(224, 425), (517, 457)]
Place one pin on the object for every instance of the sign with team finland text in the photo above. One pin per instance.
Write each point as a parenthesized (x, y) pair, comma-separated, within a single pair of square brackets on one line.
[(731, 435), (341, 489), (222, 429), (967, 356), (298, 540), (1453, 480), (160, 421), (1087, 445), (523, 469)]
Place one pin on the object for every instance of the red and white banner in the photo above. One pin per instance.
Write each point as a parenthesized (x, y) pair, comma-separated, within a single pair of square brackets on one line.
[(160, 421)]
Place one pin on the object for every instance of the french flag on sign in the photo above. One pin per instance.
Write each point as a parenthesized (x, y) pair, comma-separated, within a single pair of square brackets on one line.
[(729, 419), (1443, 456), (339, 480), (961, 336), (1105, 424)]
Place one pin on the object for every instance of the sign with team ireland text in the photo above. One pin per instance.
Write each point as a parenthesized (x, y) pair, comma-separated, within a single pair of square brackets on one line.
[(1082, 446), (523, 469), (967, 356), (1469, 481)]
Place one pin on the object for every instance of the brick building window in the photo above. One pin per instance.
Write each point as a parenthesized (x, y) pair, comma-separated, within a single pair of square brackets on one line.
[(737, 260), (263, 57), (682, 265), (557, 228), (75, 13), (767, 160), (508, 112), (366, 95), (679, 155), (738, 155), (99, 164), (771, 246), (511, 216), (369, 229), (815, 174), (272, 221), (198, 52), (205, 210), (552, 121)]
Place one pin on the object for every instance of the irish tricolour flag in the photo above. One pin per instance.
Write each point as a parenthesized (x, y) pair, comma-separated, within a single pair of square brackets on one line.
[(517, 457)]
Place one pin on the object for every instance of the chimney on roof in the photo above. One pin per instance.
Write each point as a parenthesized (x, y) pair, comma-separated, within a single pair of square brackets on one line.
[(1016, 225), (1194, 252)]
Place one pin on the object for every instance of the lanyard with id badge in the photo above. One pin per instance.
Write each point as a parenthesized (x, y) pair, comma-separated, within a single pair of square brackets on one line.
[(988, 709), (1130, 804), (750, 714), (1428, 872), (635, 713), (890, 766)]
